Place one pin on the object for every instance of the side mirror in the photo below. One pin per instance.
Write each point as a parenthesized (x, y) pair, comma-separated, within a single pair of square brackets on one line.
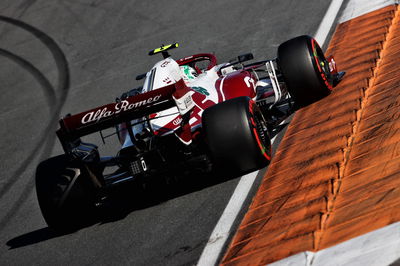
[(141, 76), (245, 57)]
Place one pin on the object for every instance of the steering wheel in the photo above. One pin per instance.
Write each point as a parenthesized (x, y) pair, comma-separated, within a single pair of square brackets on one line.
[(193, 61)]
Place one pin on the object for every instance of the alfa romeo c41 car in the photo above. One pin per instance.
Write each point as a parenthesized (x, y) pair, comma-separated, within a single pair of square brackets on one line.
[(191, 114)]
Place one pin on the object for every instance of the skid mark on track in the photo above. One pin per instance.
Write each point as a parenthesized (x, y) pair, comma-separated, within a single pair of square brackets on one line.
[(40, 78), (46, 141)]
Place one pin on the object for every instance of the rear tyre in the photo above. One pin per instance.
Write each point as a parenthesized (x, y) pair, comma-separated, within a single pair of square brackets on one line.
[(65, 194), (236, 135), (305, 70)]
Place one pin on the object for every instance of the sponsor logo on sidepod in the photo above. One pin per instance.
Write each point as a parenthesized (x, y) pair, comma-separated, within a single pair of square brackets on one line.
[(177, 121), (122, 106)]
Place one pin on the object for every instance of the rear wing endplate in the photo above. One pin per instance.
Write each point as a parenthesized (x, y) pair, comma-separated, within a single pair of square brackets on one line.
[(72, 127)]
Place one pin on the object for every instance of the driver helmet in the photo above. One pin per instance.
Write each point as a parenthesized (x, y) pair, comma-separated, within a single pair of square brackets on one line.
[(188, 73)]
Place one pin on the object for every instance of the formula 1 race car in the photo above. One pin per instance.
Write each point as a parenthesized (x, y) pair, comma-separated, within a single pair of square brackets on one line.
[(191, 114)]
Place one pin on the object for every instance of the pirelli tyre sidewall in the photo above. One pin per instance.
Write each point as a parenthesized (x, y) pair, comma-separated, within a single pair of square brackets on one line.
[(236, 136), (65, 194), (305, 70)]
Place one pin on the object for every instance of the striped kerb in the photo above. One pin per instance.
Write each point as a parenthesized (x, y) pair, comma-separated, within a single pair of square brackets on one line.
[(336, 173)]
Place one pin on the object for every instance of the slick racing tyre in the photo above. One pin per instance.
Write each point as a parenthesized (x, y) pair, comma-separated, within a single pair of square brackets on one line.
[(65, 194), (305, 70), (236, 135)]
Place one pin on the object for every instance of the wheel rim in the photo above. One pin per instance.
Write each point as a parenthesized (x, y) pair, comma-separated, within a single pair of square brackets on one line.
[(322, 64), (259, 129)]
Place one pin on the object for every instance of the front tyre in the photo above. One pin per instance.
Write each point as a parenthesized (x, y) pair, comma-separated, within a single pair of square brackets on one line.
[(237, 137), (305, 70), (65, 193)]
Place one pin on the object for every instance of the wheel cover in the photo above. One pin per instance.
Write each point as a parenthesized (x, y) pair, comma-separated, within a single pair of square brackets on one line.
[(322, 64), (260, 131)]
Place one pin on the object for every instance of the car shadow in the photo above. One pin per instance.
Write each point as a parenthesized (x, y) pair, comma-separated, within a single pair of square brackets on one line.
[(129, 198), (31, 238)]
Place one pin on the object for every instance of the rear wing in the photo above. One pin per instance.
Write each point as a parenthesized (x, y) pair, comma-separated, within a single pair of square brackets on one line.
[(72, 127)]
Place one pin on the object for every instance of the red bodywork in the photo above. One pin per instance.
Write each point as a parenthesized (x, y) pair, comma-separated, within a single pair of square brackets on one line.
[(240, 83), (235, 84)]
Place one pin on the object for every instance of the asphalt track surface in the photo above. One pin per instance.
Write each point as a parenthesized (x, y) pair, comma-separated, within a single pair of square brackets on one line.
[(59, 57)]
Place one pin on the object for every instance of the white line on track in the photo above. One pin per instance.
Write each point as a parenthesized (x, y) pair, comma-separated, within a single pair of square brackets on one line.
[(223, 228), (356, 8), (221, 231), (327, 21)]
